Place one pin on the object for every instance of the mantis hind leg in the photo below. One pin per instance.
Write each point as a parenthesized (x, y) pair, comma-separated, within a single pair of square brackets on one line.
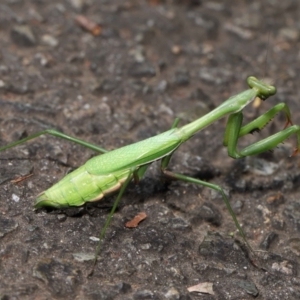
[(108, 220), (214, 187), (56, 134)]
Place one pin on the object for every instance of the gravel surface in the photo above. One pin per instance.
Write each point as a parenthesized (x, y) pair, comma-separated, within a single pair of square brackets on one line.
[(116, 72)]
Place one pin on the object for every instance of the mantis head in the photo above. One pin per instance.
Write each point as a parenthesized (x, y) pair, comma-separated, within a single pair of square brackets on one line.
[(264, 90)]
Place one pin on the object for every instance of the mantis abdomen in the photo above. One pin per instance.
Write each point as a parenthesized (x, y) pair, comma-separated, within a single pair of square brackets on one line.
[(81, 186)]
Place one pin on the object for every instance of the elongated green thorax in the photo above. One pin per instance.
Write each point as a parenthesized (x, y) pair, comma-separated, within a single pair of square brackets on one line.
[(232, 105)]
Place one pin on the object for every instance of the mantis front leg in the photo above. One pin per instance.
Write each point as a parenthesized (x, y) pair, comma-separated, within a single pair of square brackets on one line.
[(234, 131)]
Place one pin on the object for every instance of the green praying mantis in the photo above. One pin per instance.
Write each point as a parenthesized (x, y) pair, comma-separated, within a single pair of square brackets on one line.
[(113, 170)]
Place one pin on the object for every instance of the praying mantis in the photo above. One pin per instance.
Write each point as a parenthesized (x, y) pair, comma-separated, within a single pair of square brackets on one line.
[(111, 171)]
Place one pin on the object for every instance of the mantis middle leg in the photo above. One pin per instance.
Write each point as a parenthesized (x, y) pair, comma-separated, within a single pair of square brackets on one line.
[(164, 164)]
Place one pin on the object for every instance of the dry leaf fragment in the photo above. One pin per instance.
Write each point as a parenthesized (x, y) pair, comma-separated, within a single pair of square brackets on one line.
[(136, 220), (276, 199), (203, 287), (88, 25)]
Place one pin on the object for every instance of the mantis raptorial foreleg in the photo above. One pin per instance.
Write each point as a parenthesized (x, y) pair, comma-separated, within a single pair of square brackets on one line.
[(234, 131), (260, 122)]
